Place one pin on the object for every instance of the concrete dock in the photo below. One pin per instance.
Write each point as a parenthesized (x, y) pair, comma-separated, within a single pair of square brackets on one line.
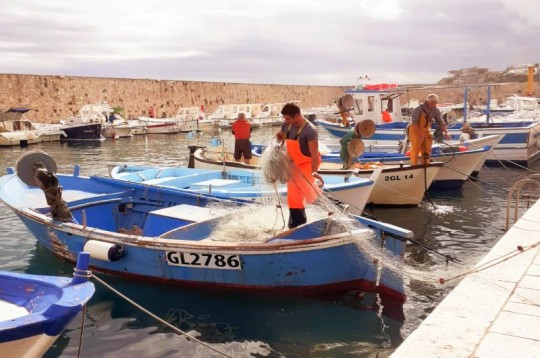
[(494, 311)]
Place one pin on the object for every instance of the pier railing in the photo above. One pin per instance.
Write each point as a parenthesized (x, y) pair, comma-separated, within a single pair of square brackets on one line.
[(532, 181)]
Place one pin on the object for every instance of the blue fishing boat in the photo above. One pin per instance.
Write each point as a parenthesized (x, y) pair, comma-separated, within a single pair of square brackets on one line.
[(400, 184), (166, 235), (244, 184), (520, 144), (34, 309)]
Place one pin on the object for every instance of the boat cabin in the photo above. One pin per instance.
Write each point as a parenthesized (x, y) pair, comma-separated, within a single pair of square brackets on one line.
[(190, 113), (224, 111), (250, 110), (379, 103), (273, 109), (14, 120), (99, 112), (523, 104)]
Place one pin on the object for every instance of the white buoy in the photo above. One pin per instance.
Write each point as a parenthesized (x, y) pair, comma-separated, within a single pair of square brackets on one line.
[(103, 250)]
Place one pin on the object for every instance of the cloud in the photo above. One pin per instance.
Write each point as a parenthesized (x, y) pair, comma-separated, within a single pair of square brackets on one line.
[(273, 41)]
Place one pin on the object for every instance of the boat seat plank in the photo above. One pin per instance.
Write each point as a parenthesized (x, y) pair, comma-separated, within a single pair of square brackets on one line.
[(166, 219), (185, 212), (156, 181), (217, 183), (9, 311)]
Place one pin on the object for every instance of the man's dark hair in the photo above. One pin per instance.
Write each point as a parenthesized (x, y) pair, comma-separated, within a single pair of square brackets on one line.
[(290, 109)]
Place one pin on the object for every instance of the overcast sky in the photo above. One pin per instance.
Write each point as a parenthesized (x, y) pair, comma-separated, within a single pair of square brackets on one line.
[(321, 42)]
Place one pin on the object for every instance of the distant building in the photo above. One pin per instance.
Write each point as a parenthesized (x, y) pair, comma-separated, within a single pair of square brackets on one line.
[(521, 69)]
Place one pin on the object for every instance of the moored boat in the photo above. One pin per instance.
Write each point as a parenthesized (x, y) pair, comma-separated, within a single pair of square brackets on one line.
[(160, 126), (520, 144), (185, 114), (16, 129), (400, 184), (460, 162), (162, 235), (245, 184), (35, 309), (87, 124)]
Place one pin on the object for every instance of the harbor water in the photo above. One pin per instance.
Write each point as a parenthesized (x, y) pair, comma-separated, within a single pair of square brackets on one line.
[(462, 224)]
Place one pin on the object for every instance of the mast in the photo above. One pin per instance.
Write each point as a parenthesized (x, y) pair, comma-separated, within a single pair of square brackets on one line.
[(530, 80)]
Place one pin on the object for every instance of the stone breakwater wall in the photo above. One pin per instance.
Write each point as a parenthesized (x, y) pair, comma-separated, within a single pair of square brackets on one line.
[(59, 97)]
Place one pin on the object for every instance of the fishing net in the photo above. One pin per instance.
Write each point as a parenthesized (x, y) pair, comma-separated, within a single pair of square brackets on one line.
[(275, 164), (256, 223)]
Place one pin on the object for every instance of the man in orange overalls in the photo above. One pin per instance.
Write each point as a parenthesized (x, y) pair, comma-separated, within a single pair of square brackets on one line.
[(420, 129), (303, 151)]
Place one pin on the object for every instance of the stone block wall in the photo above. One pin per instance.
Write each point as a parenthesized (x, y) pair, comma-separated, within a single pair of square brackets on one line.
[(59, 97)]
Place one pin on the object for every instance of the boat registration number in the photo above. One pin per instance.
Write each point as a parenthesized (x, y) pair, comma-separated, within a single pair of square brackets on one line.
[(397, 177), (204, 260)]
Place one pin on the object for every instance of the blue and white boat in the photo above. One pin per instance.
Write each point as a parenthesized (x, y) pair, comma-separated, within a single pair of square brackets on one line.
[(244, 184), (34, 309), (166, 235), (520, 144), (400, 184)]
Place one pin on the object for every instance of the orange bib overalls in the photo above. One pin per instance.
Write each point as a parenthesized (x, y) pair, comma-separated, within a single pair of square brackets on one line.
[(421, 145), (301, 185)]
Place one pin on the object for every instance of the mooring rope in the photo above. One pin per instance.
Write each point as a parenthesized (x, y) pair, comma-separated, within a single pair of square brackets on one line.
[(176, 329), (498, 260), (82, 330)]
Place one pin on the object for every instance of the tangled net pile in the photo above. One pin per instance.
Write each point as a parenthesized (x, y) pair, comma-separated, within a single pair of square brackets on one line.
[(274, 164)]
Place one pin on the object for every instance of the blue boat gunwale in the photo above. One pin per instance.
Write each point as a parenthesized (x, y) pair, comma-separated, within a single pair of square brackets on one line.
[(163, 181), (54, 301), (150, 242)]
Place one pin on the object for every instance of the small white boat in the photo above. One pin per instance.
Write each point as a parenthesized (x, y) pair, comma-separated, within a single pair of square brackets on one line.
[(137, 127), (34, 310), (160, 126), (270, 114), (16, 129), (116, 125), (250, 111), (196, 114)]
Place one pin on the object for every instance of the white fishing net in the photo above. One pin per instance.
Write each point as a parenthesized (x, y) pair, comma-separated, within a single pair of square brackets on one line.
[(275, 164), (261, 223)]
